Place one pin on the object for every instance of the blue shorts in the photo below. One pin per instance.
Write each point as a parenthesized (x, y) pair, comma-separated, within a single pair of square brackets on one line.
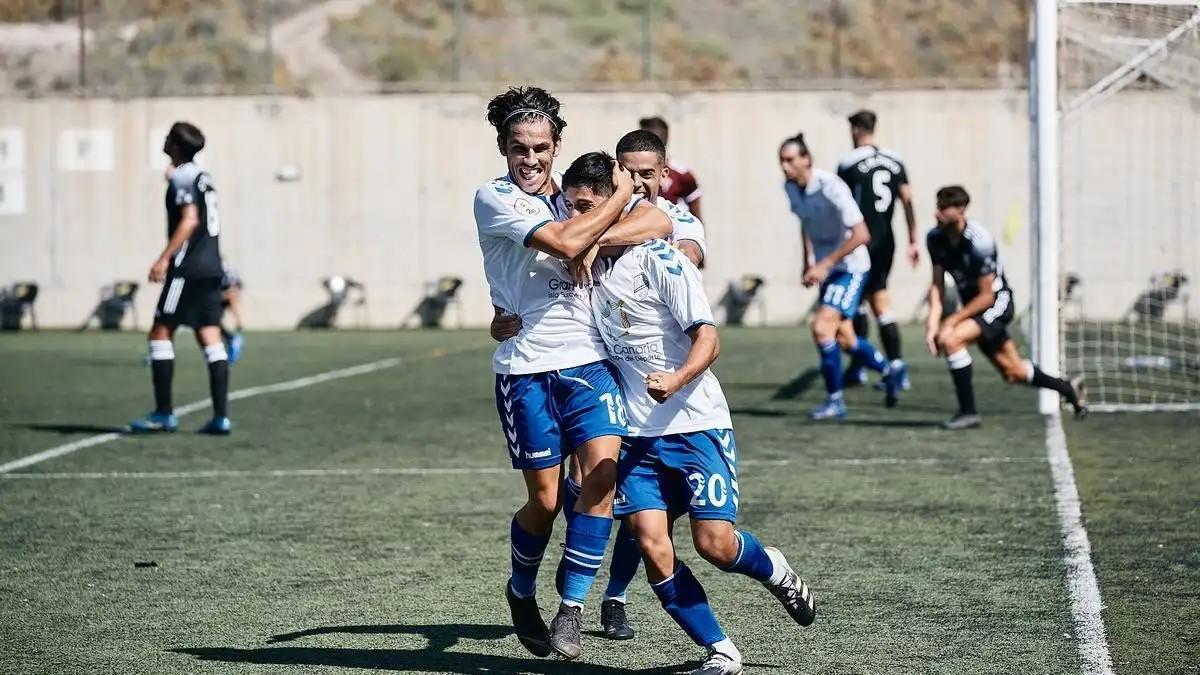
[(843, 291), (545, 416), (693, 473)]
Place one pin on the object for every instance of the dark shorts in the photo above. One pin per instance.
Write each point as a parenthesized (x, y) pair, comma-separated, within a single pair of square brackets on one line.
[(881, 267), (993, 323), (189, 302)]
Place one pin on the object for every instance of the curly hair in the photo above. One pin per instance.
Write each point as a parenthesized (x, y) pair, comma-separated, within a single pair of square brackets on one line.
[(523, 104)]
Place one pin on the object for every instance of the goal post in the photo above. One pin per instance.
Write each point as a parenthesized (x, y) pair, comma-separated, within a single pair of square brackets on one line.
[(1115, 167)]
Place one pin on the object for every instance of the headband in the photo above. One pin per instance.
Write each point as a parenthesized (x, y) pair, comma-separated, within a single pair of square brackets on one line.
[(529, 111)]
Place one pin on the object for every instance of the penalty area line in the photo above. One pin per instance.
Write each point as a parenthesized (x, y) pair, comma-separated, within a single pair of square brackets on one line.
[(7, 468)]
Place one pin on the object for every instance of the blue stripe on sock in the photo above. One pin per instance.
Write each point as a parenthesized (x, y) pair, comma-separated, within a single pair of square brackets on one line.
[(587, 537), (869, 355), (527, 551)]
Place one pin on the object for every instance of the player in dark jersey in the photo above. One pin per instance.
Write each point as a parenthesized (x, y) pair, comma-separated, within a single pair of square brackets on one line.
[(191, 272), (878, 180), (967, 251), (680, 186)]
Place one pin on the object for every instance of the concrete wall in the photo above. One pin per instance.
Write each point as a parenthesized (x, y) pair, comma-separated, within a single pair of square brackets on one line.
[(386, 184)]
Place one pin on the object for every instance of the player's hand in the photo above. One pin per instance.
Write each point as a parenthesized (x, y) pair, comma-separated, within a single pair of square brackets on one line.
[(581, 266), (504, 326), (158, 271), (622, 180), (914, 255), (931, 337), (815, 274), (661, 386)]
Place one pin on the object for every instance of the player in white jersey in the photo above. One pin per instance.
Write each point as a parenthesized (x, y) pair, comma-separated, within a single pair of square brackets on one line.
[(643, 154), (555, 390), (658, 327), (835, 260)]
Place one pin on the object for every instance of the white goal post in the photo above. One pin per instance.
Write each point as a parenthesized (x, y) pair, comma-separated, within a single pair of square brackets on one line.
[(1115, 153)]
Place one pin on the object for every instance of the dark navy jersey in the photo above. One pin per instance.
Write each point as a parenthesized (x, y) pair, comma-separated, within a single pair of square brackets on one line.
[(973, 256), (875, 176), (200, 255)]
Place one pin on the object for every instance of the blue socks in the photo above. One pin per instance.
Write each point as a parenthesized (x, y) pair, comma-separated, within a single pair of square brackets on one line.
[(624, 566), (587, 537), (831, 367), (752, 559), (684, 599), (527, 550), (868, 355)]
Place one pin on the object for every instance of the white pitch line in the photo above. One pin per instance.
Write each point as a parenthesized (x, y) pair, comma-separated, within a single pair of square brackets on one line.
[(1077, 556), (462, 471), (289, 385)]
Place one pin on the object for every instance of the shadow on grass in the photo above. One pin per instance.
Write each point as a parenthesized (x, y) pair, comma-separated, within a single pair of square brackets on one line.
[(798, 386), (73, 428), (433, 658)]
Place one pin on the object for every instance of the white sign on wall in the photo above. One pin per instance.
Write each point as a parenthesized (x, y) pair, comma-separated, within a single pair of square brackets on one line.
[(12, 193), (12, 149), (85, 150)]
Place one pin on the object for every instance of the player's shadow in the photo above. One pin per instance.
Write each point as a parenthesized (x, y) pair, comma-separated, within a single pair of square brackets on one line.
[(798, 386), (67, 428), (891, 424), (433, 658)]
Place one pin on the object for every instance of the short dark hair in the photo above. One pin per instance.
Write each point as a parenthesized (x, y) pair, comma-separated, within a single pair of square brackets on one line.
[(186, 139), (798, 139), (591, 170), (953, 195), (655, 123), (523, 104), (642, 140), (863, 119)]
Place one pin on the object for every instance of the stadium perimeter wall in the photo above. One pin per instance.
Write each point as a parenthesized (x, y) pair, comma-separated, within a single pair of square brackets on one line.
[(386, 183)]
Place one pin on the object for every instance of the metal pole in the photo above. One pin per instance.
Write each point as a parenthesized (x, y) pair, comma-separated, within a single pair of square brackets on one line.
[(82, 45), (458, 40), (647, 41), (1044, 107)]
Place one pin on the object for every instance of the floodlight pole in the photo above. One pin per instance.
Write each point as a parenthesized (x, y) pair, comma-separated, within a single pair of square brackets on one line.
[(1043, 108)]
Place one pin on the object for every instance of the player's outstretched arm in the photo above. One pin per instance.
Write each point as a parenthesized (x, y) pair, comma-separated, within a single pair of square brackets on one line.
[(189, 220), (910, 218), (644, 222), (933, 322), (706, 347), (569, 238)]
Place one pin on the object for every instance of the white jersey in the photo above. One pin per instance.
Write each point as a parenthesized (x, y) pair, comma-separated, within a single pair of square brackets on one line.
[(684, 225), (557, 328), (827, 213), (645, 303)]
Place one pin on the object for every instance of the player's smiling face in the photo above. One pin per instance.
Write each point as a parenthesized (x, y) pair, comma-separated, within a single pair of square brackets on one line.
[(530, 151), (581, 199), (648, 172)]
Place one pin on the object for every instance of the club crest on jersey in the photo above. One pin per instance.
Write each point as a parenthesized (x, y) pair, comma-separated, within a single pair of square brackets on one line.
[(525, 207)]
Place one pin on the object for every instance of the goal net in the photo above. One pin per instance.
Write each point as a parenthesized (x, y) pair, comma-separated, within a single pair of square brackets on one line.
[(1129, 185)]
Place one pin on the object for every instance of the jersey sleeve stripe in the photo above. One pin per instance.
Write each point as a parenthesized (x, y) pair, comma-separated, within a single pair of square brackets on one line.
[(537, 227), (697, 324)]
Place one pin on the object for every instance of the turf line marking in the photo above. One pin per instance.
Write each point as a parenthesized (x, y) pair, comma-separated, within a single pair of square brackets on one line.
[(461, 471), (289, 385), (1077, 556)]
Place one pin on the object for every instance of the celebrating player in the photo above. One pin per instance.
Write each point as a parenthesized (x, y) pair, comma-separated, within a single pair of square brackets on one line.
[(190, 269), (643, 155), (877, 178), (967, 251), (835, 260), (679, 185), (659, 330), (555, 389)]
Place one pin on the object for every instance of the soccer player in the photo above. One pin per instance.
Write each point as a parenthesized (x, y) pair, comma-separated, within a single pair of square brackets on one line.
[(643, 155), (556, 392), (190, 269), (878, 180), (835, 260), (963, 248), (682, 457), (679, 186)]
